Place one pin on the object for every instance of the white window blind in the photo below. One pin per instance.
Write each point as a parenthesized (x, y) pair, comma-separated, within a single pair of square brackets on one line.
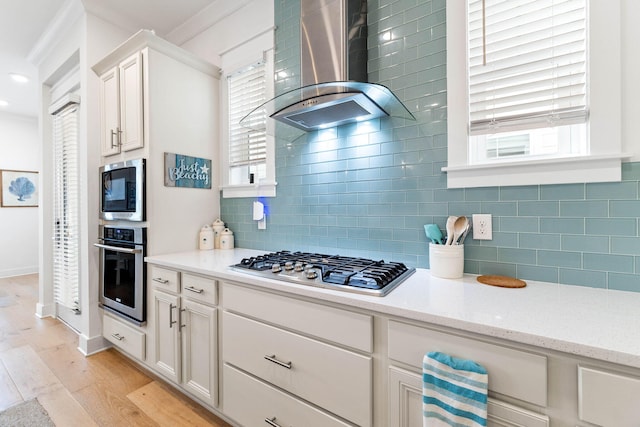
[(66, 205), (247, 144), (527, 64)]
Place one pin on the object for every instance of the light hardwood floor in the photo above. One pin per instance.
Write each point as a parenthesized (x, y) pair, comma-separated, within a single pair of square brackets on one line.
[(39, 359)]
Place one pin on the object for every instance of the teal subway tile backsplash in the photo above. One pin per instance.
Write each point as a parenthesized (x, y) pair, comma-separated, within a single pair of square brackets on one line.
[(611, 226), (593, 279), (606, 262), (368, 189)]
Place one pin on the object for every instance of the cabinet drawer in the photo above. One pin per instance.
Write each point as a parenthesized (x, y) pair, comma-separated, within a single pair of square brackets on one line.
[(608, 399), (250, 402), (199, 288), (162, 278), (405, 405), (124, 336), (335, 379), (511, 372), (342, 327)]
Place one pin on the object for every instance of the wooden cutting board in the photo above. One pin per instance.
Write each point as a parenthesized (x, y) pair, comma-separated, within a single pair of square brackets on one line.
[(502, 281)]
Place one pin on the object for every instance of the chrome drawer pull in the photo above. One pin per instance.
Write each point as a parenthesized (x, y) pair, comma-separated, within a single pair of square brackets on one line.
[(271, 422), (192, 289), (171, 321), (117, 336), (273, 359), (160, 280)]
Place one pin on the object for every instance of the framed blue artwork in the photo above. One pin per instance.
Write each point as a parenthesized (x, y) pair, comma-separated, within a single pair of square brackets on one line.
[(18, 188)]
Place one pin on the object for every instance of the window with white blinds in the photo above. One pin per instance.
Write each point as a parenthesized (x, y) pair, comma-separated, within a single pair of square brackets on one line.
[(527, 64), (533, 92), (66, 205), (247, 144)]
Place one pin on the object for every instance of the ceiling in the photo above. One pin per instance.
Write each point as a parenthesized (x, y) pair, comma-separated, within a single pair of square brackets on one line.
[(22, 23)]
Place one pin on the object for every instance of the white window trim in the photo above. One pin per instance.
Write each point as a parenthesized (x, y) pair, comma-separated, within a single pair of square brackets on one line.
[(237, 58), (603, 164)]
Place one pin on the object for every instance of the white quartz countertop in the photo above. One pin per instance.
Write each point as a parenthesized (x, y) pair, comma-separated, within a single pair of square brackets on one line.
[(596, 323)]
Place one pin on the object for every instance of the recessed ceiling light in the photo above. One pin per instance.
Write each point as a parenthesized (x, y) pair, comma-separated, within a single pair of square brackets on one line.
[(3, 103), (19, 78)]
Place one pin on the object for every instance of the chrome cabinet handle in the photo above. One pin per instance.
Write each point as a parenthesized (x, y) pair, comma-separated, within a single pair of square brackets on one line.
[(273, 359), (272, 422), (117, 336), (182, 310), (112, 135), (192, 289), (117, 133), (160, 280), (171, 321)]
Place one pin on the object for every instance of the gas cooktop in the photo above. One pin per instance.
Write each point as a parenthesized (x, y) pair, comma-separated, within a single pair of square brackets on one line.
[(359, 275)]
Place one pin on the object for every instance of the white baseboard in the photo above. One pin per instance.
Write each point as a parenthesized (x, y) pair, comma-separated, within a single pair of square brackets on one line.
[(45, 310), (91, 345), (18, 271)]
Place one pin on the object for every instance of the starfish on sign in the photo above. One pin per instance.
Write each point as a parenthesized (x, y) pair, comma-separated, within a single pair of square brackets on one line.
[(204, 169)]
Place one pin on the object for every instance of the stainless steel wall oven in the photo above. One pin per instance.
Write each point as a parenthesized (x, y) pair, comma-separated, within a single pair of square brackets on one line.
[(123, 271)]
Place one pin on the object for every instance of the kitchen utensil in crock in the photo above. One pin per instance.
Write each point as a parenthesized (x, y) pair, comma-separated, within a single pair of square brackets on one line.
[(434, 234), (459, 227), (449, 227)]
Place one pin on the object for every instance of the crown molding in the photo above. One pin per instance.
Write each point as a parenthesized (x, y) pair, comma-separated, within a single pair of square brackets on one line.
[(70, 12), (217, 11)]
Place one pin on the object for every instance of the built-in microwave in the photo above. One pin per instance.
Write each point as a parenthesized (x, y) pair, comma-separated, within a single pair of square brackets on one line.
[(122, 191)]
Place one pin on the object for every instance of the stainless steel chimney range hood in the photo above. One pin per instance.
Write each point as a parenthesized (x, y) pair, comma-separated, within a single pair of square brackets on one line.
[(333, 71)]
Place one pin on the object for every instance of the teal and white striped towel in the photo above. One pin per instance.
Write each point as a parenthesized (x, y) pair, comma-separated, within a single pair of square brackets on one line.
[(454, 392)]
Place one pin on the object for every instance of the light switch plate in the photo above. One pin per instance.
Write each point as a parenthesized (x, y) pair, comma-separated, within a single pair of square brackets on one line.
[(482, 227)]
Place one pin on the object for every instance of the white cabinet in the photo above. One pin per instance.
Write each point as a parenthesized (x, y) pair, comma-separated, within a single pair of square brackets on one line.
[(608, 399), (166, 351), (269, 405), (512, 373), (185, 331), (122, 106), (274, 342), (405, 405), (158, 98), (125, 337)]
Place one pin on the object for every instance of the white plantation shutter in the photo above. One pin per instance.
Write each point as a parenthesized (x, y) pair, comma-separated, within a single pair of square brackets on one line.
[(66, 205), (247, 144), (527, 64)]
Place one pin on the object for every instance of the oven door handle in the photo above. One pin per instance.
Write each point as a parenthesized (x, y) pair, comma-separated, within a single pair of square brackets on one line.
[(118, 249)]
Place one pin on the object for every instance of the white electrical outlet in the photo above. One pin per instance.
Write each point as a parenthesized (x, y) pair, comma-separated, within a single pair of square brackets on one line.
[(482, 229)]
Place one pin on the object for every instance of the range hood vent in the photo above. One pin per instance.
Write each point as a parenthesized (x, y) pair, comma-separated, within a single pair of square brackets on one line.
[(333, 71)]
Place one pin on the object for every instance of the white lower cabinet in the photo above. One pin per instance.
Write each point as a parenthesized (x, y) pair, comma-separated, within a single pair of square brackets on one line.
[(608, 399), (334, 379), (125, 337), (513, 373), (185, 335), (290, 361), (405, 405), (252, 402)]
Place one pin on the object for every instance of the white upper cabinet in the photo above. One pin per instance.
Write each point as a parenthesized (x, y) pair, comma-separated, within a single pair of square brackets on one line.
[(122, 106)]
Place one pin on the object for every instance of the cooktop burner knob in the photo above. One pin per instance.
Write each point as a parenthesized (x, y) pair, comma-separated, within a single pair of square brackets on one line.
[(275, 268), (311, 273), (288, 266), (299, 266)]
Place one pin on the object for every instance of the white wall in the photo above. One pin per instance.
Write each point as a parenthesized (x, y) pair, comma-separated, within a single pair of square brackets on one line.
[(19, 150)]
